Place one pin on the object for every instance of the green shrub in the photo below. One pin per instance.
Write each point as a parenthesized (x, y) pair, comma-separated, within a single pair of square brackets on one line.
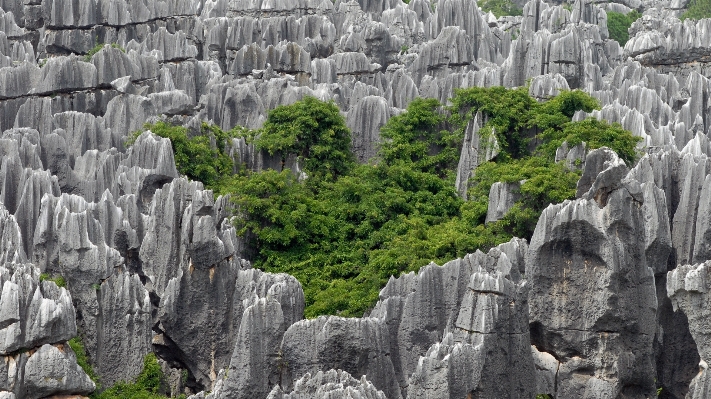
[(508, 113), (58, 280), (315, 131), (83, 360), (618, 25), (500, 7), (595, 134), (146, 386), (697, 9), (196, 157)]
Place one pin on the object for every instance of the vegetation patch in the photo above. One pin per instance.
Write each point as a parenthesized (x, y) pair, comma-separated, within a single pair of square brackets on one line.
[(58, 280), (698, 9), (202, 157), (346, 228), (618, 25), (98, 47), (146, 386), (83, 360), (500, 8)]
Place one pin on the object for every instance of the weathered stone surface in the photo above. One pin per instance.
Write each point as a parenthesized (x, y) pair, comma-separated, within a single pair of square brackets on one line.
[(357, 346), (488, 353), (687, 287), (53, 370), (419, 308), (332, 384), (365, 120), (502, 197), (694, 170), (469, 156), (590, 254), (124, 329), (32, 313), (256, 362)]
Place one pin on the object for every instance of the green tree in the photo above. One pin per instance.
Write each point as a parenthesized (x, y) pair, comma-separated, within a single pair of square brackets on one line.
[(500, 7), (697, 9), (418, 138), (315, 131), (595, 133), (507, 111), (618, 25), (202, 157), (348, 227)]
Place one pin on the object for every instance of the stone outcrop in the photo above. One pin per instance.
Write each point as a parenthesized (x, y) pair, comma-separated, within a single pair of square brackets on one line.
[(592, 290), (687, 288), (37, 319), (336, 384), (488, 351)]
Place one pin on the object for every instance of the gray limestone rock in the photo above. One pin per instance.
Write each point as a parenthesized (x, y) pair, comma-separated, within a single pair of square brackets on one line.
[(451, 50), (469, 156), (331, 384), (231, 104), (702, 243), (488, 352), (592, 255), (658, 244), (365, 120), (124, 329), (169, 46), (687, 287), (419, 308), (694, 170), (226, 292), (53, 370), (602, 174), (65, 74), (360, 347), (112, 63), (11, 248), (546, 86), (574, 157), (32, 312), (256, 362), (82, 132), (502, 197), (17, 81)]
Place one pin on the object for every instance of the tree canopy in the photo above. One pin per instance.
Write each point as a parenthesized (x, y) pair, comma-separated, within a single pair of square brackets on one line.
[(346, 228)]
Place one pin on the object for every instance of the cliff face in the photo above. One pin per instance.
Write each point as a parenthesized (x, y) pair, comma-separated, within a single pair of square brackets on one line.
[(607, 300)]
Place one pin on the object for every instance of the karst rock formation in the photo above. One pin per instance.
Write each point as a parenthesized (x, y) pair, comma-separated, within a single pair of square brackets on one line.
[(611, 298)]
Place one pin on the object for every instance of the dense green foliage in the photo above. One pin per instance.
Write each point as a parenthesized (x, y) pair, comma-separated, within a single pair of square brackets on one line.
[(698, 9), (146, 386), (201, 157), (500, 7), (345, 229), (83, 360), (315, 131), (618, 25), (59, 280)]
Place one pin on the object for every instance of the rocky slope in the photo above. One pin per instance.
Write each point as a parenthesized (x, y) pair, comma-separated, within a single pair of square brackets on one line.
[(607, 300)]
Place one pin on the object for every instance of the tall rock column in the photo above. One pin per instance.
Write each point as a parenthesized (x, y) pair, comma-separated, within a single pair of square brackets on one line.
[(689, 287), (592, 298)]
